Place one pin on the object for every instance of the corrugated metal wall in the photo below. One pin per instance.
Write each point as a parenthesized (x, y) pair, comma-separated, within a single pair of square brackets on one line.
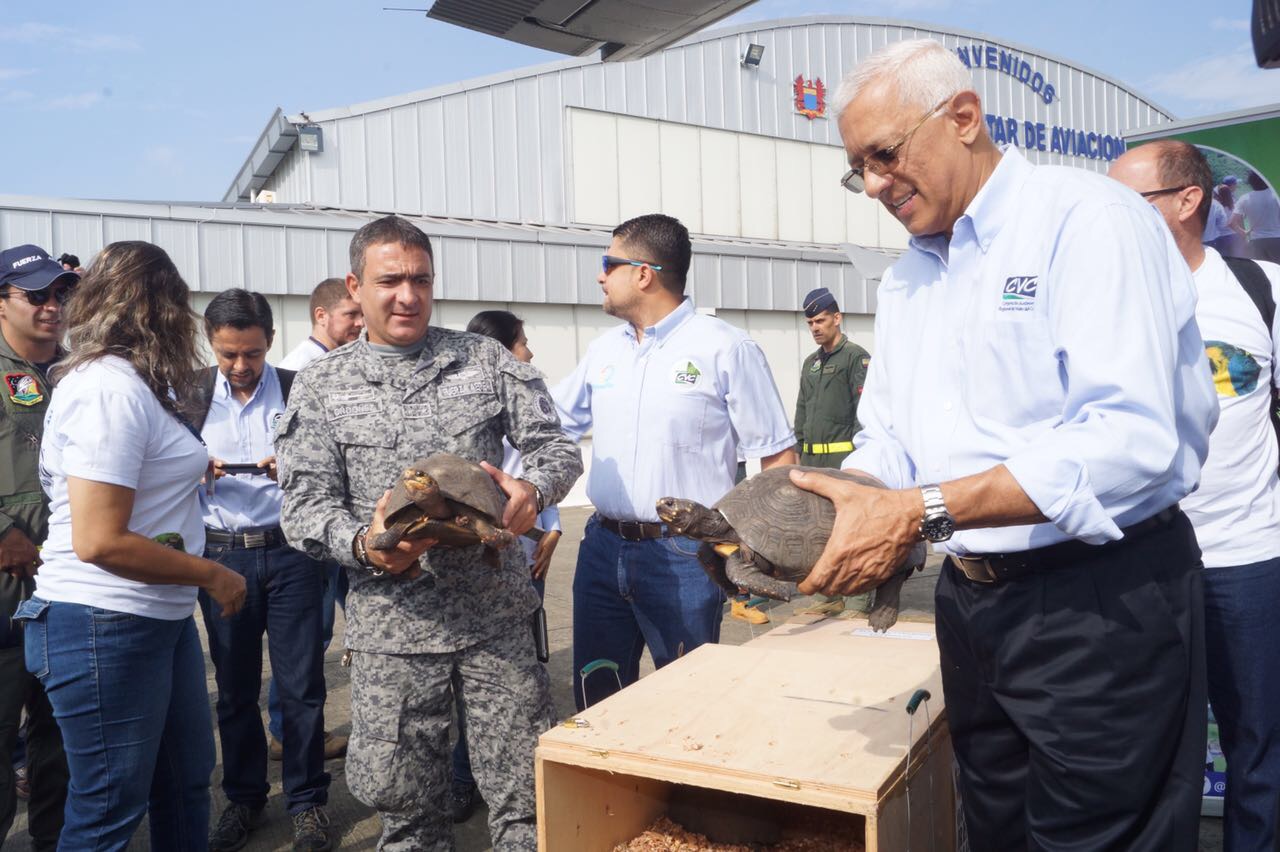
[(496, 148), (289, 251)]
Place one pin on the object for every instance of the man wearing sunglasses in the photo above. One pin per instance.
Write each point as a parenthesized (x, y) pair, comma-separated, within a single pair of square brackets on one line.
[(670, 397), (1037, 407), (1236, 510), (33, 289)]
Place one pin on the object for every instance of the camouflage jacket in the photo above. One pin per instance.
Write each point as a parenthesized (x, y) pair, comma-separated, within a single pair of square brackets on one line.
[(355, 418)]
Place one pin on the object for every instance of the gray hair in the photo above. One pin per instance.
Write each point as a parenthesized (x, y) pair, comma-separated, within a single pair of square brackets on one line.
[(925, 72)]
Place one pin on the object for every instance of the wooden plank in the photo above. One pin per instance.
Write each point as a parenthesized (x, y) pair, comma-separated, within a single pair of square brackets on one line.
[(815, 716), (590, 810)]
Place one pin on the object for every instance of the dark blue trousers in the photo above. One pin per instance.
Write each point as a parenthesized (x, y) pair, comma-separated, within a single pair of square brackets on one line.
[(284, 591), (1243, 645)]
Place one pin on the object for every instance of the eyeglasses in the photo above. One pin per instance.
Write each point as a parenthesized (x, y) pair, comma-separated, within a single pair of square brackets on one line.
[(1150, 193), (608, 262), (39, 298), (882, 161)]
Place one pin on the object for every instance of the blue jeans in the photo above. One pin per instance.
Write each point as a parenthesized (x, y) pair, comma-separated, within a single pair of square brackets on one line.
[(462, 774), (1243, 648), (335, 595), (627, 595), (129, 695), (284, 588)]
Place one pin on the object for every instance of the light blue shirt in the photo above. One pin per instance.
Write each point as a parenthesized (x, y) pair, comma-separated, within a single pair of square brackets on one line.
[(670, 413), (1055, 334), (242, 434)]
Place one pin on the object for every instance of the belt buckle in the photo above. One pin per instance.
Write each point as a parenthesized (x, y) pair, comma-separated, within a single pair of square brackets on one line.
[(635, 536), (255, 539), (977, 570)]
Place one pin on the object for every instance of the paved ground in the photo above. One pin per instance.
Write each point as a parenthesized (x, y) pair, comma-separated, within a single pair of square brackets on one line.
[(359, 827)]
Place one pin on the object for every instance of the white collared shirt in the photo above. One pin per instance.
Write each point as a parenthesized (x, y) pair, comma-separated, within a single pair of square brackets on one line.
[(669, 414), (242, 433), (1055, 334)]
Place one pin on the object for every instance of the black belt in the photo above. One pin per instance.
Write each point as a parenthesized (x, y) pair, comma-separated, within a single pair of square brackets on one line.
[(270, 537), (634, 530), (1002, 567)]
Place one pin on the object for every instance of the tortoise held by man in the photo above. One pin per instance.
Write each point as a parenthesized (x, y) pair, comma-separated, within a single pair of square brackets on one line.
[(766, 535), (446, 498)]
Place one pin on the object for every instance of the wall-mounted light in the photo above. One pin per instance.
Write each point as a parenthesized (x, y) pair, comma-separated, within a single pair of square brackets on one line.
[(751, 58), (311, 138)]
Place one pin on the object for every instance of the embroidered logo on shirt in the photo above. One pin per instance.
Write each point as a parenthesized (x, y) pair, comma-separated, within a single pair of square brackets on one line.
[(685, 374), (816, 366), (546, 408), (23, 389), (1235, 372), (1019, 293), (604, 379)]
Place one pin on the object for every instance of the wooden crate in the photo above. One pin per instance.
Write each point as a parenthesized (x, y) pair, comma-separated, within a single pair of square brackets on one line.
[(810, 715)]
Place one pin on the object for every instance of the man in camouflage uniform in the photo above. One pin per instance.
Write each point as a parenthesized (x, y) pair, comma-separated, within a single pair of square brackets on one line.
[(32, 290), (422, 621)]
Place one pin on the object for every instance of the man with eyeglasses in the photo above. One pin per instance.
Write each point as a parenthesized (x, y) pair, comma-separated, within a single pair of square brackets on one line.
[(33, 289), (1037, 407), (670, 397), (1236, 510)]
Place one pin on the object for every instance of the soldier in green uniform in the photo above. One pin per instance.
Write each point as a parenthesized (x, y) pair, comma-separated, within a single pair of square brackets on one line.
[(32, 291), (830, 386), (831, 383)]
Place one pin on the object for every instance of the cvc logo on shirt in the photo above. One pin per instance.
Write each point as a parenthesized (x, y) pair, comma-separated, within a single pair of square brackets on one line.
[(1019, 293), (685, 374)]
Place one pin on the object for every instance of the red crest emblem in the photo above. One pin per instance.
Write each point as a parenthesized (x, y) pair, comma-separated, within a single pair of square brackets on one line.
[(811, 97)]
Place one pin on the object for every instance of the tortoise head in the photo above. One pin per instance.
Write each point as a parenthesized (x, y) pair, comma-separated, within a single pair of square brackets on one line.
[(418, 483), (685, 517)]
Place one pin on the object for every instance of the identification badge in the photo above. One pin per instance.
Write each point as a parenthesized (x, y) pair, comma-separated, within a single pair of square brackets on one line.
[(23, 389)]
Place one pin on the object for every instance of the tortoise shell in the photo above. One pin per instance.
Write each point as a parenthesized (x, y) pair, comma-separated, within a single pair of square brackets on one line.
[(786, 525), (460, 480)]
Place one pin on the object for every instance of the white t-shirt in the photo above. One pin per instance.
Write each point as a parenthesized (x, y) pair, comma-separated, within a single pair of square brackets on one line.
[(1217, 228), (1236, 510), (302, 355), (1262, 211), (105, 425)]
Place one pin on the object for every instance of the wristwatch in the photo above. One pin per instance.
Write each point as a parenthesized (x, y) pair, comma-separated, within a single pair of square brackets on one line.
[(937, 523)]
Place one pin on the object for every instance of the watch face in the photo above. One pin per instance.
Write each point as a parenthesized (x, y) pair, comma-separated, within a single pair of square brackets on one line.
[(938, 528)]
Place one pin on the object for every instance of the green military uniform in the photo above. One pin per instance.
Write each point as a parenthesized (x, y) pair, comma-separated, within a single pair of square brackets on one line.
[(24, 397), (827, 408)]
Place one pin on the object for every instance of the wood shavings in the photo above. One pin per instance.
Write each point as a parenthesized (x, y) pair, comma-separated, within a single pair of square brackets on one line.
[(690, 744), (665, 836)]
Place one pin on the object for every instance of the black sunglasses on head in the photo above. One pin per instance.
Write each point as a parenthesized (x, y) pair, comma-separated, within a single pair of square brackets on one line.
[(38, 298)]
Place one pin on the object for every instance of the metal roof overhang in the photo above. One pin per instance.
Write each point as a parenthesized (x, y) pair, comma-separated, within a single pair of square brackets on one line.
[(277, 138), (619, 29)]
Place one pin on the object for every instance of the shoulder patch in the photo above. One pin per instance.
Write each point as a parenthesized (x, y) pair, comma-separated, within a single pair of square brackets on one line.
[(545, 408), (23, 389), (865, 360)]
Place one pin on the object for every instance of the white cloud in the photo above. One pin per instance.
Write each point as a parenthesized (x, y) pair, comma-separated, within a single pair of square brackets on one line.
[(32, 32), (1232, 24), (1219, 83), (84, 100), (15, 73), (16, 96)]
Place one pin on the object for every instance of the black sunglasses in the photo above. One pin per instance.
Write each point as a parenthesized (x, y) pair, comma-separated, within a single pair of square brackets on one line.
[(608, 261), (39, 298), (1153, 192)]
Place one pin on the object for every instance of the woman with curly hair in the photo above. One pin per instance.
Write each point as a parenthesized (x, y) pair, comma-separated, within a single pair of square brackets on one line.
[(110, 631)]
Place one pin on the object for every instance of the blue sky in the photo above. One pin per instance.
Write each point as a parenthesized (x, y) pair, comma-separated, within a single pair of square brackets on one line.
[(148, 100)]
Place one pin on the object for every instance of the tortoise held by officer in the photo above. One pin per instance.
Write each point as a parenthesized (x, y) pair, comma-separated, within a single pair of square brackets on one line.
[(766, 535), (446, 498)]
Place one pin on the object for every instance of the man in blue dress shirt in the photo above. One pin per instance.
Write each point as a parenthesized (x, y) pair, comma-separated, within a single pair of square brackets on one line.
[(1040, 391), (285, 587), (670, 397)]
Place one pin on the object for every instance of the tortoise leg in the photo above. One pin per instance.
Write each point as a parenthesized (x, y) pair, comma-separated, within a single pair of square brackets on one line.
[(748, 571), (713, 564), (884, 613), (490, 535), (390, 537)]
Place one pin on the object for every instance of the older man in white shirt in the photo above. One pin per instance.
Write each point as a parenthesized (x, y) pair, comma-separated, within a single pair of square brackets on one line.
[(1040, 392)]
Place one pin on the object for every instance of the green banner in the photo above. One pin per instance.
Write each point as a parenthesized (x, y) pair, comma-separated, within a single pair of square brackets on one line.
[(1253, 142)]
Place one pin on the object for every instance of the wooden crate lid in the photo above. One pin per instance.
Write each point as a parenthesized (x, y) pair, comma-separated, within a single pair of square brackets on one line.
[(807, 713)]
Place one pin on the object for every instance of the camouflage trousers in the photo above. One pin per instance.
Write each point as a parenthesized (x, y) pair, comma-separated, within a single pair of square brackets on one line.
[(398, 761)]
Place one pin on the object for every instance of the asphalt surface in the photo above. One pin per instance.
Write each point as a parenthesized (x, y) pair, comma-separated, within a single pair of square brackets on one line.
[(357, 827)]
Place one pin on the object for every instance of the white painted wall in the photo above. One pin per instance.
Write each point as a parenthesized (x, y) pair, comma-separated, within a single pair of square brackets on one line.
[(718, 182)]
